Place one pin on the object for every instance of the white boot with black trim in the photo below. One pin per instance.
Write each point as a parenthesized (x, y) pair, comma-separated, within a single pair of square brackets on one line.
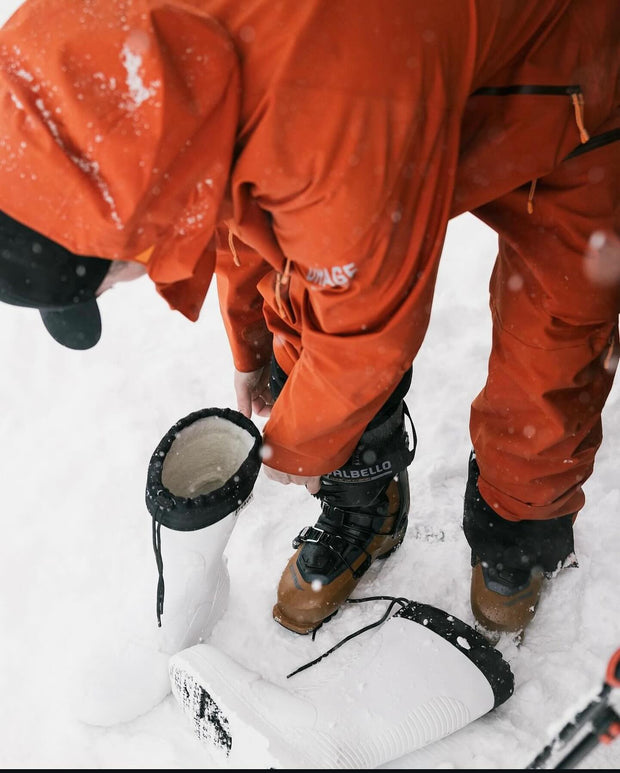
[(412, 679), (200, 476)]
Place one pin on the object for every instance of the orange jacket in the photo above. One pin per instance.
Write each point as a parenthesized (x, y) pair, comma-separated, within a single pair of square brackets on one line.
[(315, 150)]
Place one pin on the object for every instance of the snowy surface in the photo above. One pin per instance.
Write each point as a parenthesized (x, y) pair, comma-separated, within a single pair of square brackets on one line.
[(78, 430)]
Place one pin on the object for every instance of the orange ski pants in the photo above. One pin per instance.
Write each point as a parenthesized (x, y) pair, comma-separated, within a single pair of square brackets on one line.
[(536, 426)]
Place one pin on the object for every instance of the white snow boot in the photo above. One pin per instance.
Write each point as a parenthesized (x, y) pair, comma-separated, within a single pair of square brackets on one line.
[(200, 476), (416, 679)]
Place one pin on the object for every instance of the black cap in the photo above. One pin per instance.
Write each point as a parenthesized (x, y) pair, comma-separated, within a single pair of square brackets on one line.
[(41, 274)]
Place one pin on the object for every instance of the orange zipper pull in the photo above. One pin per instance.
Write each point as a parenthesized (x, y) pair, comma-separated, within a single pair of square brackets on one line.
[(530, 197), (231, 244), (578, 104)]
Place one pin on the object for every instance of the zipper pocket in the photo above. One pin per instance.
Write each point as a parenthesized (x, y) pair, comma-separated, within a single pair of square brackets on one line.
[(572, 91), (500, 91)]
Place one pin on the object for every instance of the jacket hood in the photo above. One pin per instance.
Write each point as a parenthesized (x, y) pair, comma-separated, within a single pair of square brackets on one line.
[(117, 127)]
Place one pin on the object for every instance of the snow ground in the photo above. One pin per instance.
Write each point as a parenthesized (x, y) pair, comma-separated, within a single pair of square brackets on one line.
[(78, 431)]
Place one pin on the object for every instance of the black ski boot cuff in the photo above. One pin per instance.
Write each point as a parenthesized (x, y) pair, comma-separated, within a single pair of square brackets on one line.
[(382, 452), (513, 547)]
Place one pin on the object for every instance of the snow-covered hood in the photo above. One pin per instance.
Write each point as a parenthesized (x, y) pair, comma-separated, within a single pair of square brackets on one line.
[(107, 119)]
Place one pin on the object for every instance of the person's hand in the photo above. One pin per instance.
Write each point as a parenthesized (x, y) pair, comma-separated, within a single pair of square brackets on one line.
[(253, 393), (312, 483)]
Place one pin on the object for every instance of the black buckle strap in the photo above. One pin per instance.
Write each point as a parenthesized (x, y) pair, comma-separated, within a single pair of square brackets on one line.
[(312, 534), (334, 542), (339, 540), (349, 518)]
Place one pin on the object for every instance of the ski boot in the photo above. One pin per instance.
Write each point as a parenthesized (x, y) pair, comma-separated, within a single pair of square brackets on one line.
[(365, 507), (510, 562), (504, 601)]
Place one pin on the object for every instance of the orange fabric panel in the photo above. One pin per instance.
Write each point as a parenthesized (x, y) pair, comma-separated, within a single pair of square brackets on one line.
[(382, 208), (108, 126), (536, 426), (334, 141), (240, 304)]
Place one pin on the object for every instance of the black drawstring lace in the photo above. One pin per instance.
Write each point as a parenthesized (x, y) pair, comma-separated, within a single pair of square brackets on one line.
[(160, 570), (393, 601)]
